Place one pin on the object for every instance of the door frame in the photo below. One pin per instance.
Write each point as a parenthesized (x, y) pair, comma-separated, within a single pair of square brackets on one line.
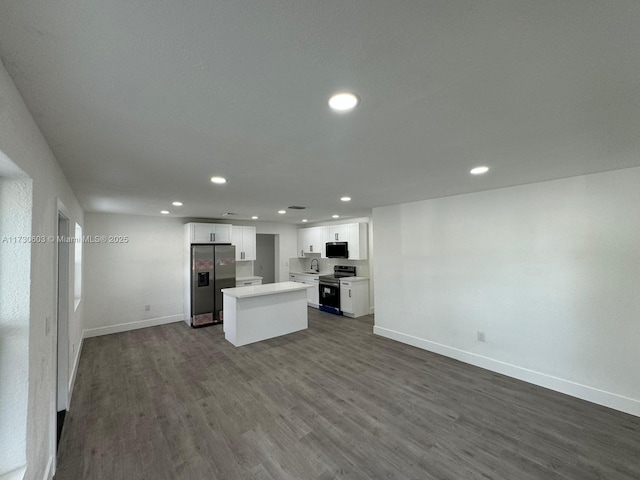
[(62, 292)]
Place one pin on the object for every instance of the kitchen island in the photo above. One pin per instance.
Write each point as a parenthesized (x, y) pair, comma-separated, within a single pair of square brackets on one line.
[(259, 312)]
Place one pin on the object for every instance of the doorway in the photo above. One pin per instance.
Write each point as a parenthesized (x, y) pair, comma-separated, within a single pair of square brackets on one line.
[(62, 323), (265, 263)]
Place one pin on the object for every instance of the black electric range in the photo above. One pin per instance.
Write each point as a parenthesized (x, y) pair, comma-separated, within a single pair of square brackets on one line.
[(329, 286), (339, 271)]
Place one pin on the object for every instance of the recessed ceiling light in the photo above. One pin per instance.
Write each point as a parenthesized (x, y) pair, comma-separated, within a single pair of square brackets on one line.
[(254, 218), (479, 170), (282, 212), (304, 220), (176, 204), (346, 199), (343, 101), (219, 180), (164, 212), (335, 216)]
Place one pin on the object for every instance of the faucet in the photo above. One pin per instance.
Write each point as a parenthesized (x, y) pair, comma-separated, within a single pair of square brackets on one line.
[(317, 267)]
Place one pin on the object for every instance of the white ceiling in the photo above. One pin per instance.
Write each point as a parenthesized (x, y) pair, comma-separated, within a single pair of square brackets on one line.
[(143, 101)]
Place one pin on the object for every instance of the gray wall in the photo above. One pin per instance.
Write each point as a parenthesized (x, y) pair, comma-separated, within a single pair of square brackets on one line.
[(264, 265)]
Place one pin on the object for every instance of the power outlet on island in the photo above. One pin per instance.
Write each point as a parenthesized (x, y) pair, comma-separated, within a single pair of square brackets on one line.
[(481, 337), (147, 308)]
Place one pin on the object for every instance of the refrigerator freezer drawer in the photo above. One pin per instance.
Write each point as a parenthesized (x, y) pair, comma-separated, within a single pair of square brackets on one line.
[(202, 320)]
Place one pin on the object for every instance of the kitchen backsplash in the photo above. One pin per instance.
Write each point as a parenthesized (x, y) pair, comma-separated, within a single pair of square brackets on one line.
[(244, 268), (327, 264)]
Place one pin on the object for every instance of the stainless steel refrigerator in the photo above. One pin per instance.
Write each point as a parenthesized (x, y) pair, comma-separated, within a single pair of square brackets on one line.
[(213, 267)]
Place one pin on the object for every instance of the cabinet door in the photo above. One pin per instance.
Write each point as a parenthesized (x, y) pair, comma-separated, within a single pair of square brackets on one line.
[(236, 240), (346, 298), (310, 240), (249, 243), (316, 240), (301, 241), (338, 233), (314, 294), (201, 233), (244, 239), (358, 241), (221, 233), (210, 233)]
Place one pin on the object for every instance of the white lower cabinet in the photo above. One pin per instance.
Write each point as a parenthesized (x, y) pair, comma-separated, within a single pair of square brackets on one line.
[(354, 297), (313, 293)]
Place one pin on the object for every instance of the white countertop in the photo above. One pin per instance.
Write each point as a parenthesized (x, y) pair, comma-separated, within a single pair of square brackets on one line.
[(311, 273), (267, 289), (246, 279), (354, 279)]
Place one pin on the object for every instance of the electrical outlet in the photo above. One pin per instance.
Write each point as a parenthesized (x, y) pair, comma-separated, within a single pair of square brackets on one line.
[(481, 337), (147, 308)]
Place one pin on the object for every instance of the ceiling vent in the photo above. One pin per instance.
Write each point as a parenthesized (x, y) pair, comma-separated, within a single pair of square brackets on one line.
[(296, 207), (228, 214)]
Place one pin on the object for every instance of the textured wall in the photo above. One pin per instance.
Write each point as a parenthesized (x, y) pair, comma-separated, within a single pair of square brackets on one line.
[(23, 143), (15, 223)]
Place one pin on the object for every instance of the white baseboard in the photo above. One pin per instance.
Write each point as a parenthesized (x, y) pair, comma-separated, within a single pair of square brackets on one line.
[(17, 474), (125, 327), (48, 473), (74, 371), (584, 392)]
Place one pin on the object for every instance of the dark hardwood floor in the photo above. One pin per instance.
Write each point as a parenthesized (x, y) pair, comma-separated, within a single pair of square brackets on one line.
[(331, 402)]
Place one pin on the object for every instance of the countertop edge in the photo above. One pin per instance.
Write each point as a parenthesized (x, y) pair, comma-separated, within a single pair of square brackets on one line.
[(266, 289)]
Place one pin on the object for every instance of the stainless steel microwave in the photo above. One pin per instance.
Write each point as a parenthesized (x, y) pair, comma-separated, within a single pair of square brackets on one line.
[(337, 250)]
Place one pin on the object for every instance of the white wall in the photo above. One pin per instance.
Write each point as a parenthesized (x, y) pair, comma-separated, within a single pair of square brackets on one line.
[(121, 278), (24, 145), (550, 272)]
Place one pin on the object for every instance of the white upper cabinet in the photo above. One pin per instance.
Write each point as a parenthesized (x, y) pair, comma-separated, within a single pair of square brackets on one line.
[(311, 240), (358, 241), (210, 233), (244, 239), (337, 233)]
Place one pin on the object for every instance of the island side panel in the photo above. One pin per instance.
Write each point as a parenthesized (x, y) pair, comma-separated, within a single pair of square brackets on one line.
[(267, 316), (229, 326)]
